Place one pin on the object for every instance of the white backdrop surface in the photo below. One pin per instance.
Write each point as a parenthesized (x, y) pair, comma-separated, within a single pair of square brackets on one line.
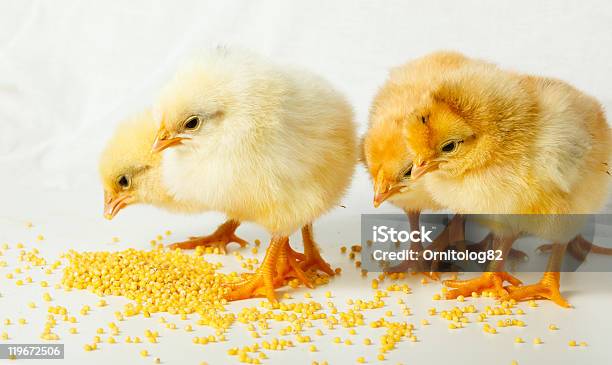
[(71, 70)]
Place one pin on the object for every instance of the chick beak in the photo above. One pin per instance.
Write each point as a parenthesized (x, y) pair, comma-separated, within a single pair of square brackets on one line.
[(383, 189), (114, 203), (421, 167), (163, 141)]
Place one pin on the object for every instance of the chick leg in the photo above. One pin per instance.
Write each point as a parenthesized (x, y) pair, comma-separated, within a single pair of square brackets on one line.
[(278, 264), (485, 243), (311, 251), (548, 287), (579, 248), (492, 280), (419, 266), (220, 238), (453, 234)]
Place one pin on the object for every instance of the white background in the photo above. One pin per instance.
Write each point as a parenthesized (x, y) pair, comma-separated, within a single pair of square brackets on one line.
[(70, 70)]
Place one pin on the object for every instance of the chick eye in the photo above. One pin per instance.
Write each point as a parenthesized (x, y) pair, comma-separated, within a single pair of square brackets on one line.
[(449, 146), (408, 172), (123, 181), (192, 123)]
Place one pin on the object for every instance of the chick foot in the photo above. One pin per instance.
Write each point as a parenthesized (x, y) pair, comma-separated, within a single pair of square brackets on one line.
[(313, 259), (279, 264), (220, 238), (488, 281), (290, 265), (547, 288), (579, 248)]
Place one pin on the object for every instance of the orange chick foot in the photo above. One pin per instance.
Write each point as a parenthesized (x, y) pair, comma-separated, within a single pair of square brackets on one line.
[(223, 236), (547, 288), (314, 261), (280, 264), (289, 266), (257, 285), (488, 281)]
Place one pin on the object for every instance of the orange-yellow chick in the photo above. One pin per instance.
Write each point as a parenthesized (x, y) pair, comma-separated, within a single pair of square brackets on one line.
[(487, 140), (385, 151), (131, 174), (263, 143)]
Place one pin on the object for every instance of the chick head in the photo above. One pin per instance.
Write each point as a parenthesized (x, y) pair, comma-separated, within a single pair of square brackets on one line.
[(199, 98), (128, 168), (474, 119), (439, 139), (387, 159)]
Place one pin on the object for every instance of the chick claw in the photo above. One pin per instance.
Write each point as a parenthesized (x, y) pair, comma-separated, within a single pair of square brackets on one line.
[(223, 235), (488, 281), (261, 283), (313, 260), (547, 288)]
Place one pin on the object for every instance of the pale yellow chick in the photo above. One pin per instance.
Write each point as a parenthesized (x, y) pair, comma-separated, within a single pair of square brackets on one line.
[(131, 174), (263, 143)]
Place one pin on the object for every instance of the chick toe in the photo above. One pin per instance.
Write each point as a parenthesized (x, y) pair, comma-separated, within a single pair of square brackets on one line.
[(280, 264), (547, 288), (219, 239), (488, 281), (289, 266)]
